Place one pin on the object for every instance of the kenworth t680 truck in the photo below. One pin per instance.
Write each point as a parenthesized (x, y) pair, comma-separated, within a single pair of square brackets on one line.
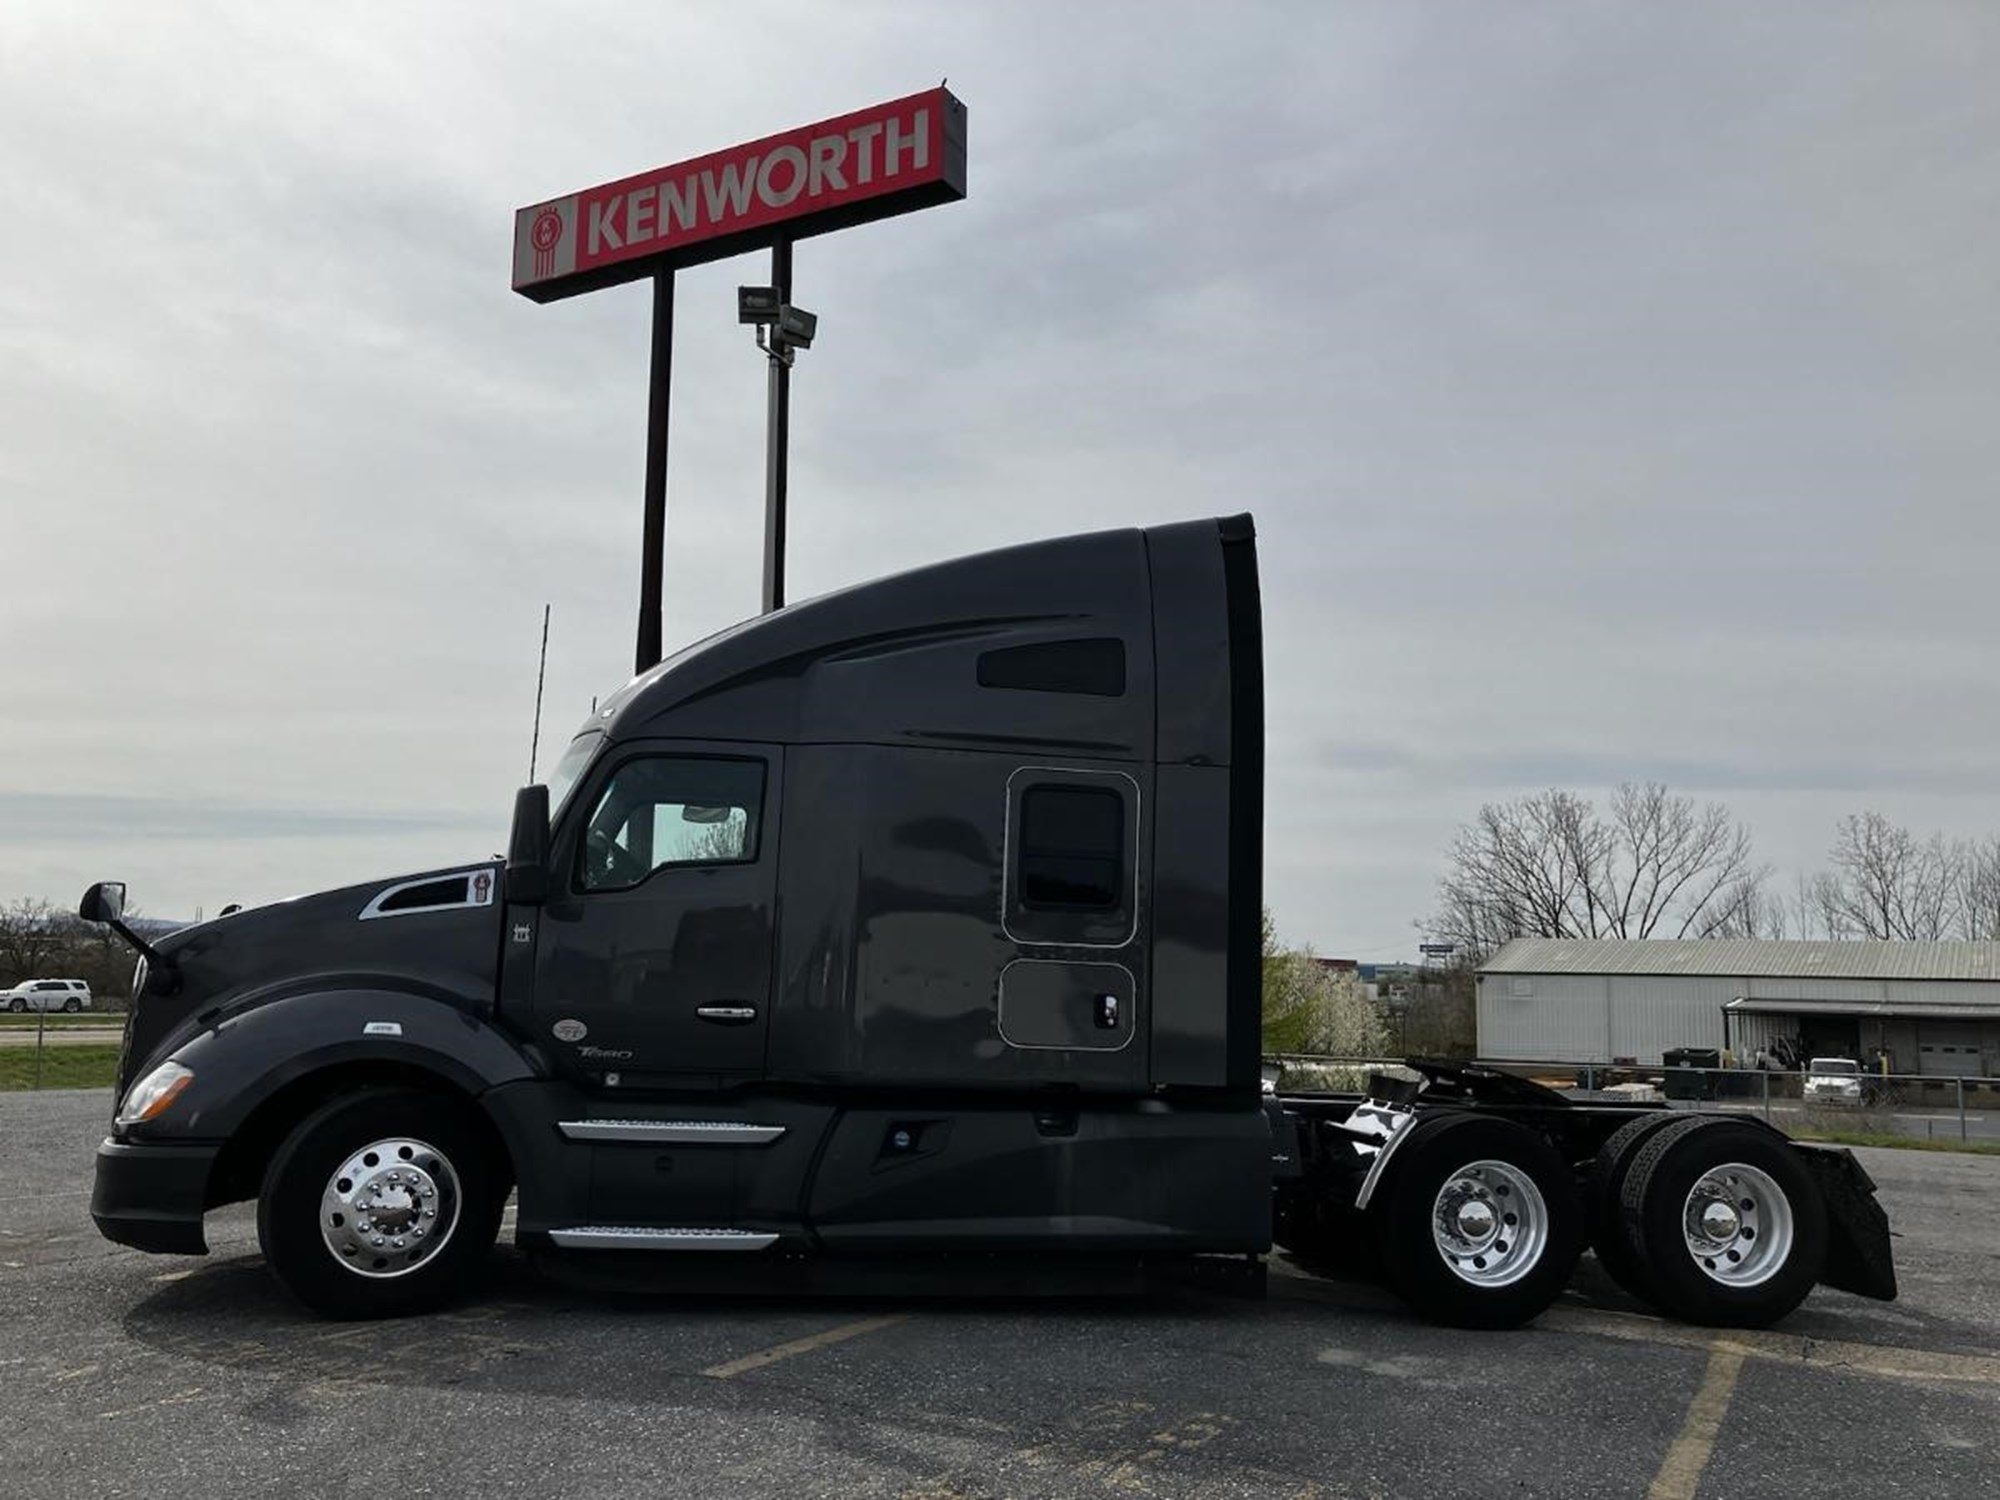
[(906, 937)]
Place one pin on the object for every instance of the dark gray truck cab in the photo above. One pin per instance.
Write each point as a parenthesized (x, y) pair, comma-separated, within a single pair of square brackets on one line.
[(914, 928)]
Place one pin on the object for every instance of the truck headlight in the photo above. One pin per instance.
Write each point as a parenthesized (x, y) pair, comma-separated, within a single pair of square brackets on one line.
[(149, 1097)]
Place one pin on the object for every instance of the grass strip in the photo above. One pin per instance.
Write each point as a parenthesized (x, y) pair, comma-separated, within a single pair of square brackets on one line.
[(56, 1018), (89, 1066), (1898, 1142)]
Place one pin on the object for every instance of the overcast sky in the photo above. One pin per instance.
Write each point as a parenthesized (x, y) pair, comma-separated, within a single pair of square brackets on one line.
[(1617, 390)]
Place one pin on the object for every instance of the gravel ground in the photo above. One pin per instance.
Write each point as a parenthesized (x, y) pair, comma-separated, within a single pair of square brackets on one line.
[(145, 1375)]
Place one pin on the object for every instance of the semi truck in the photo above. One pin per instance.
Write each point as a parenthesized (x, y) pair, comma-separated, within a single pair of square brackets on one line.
[(904, 938)]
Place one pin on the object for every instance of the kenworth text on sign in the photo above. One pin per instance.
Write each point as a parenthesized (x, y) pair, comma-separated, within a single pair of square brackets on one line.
[(872, 164)]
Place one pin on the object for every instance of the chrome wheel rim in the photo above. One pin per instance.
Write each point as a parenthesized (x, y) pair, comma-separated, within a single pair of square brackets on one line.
[(1737, 1224), (1490, 1223), (389, 1208)]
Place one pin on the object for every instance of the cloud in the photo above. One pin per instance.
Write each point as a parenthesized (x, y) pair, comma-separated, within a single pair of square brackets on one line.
[(123, 821), (1613, 393)]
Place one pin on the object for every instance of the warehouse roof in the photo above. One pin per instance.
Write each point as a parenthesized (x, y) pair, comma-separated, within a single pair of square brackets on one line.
[(1743, 958)]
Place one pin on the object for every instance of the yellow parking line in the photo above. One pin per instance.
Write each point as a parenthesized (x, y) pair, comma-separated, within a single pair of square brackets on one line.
[(1680, 1472), (805, 1345), (1887, 1360)]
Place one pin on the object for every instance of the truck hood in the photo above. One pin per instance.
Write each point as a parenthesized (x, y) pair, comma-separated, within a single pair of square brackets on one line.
[(436, 933)]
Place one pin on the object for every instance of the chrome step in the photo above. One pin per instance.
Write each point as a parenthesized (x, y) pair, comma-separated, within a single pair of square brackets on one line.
[(643, 1237), (680, 1132)]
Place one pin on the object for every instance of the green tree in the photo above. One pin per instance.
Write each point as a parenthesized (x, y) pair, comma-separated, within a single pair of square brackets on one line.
[(1310, 1008)]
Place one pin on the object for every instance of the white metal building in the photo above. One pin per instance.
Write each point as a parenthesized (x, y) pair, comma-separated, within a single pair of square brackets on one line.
[(1933, 1007)]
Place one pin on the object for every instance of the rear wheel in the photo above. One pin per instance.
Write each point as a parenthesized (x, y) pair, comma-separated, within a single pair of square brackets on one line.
[(1728, 1225), (72, 1005), (1605, 1199), (381, 1204), (1480, 1225)]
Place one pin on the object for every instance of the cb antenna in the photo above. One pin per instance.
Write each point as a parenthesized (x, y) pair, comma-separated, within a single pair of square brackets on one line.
[(541, 673)]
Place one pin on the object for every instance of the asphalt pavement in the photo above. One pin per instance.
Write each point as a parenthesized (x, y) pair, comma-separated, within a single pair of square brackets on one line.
[(135, 1375)]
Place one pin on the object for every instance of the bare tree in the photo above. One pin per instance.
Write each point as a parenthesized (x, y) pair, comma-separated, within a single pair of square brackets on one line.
[(1805, 913), (1549, 866), (1747, 909), (31, 935), (1980, 890), (1886, 883), (1677, 868)]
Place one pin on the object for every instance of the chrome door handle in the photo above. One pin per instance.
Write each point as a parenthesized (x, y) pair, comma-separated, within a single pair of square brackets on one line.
[(727, 1015)]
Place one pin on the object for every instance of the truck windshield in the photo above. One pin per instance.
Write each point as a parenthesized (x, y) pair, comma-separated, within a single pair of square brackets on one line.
[(569, 770)]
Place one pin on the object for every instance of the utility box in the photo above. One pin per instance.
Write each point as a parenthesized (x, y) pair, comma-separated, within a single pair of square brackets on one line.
[(1691, 1072)]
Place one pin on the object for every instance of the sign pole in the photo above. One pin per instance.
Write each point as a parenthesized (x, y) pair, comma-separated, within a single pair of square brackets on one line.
[(654, 544), (777, 439), (869, 164)]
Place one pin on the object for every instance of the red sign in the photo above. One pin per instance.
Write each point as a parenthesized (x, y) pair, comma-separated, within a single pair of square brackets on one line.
[(871, 164)]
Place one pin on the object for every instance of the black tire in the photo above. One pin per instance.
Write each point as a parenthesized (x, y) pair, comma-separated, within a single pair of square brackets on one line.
[(1459, 1153), (1604, 1197), (442, 1145), (17, 1005), (72, 1005), (1656, 1197)]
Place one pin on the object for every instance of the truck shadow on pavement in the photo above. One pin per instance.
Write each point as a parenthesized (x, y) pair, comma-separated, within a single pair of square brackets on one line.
[(520, 1331)]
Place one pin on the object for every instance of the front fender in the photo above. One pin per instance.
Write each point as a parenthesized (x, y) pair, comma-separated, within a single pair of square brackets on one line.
[(245, 1058)]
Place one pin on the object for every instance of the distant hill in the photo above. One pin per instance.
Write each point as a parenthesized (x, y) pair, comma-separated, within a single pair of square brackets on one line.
[(152, 927)]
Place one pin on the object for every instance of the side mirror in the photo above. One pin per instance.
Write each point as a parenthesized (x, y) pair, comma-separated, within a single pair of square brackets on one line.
[(528, 847), (103, 902)]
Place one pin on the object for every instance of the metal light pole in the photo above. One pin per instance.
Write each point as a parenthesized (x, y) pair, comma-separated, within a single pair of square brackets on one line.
[(777, 439), (782, 330)]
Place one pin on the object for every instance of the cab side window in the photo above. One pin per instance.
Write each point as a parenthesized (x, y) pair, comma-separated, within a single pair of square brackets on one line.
[(661, 811)]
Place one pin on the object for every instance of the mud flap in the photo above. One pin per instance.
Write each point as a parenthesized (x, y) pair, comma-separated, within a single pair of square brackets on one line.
[(1858, 1254)]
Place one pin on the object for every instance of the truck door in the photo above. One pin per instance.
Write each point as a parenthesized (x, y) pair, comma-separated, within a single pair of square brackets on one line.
[(653, 967)]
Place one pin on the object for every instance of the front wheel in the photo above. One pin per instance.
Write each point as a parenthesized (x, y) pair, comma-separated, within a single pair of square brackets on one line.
[(1481, 1225), (17, 1005), (380, 1203)]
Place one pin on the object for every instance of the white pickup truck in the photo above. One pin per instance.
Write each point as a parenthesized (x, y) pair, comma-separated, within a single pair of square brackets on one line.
[(70, 995), (1833, 1080)]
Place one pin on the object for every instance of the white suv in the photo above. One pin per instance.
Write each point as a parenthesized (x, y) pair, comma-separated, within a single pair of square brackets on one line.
[(47, 994)]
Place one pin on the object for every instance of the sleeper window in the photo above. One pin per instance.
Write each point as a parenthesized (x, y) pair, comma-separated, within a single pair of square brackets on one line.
[(1072, 848)]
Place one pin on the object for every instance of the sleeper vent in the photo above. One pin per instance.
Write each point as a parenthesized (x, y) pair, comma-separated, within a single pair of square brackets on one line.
[(1093, 667)]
